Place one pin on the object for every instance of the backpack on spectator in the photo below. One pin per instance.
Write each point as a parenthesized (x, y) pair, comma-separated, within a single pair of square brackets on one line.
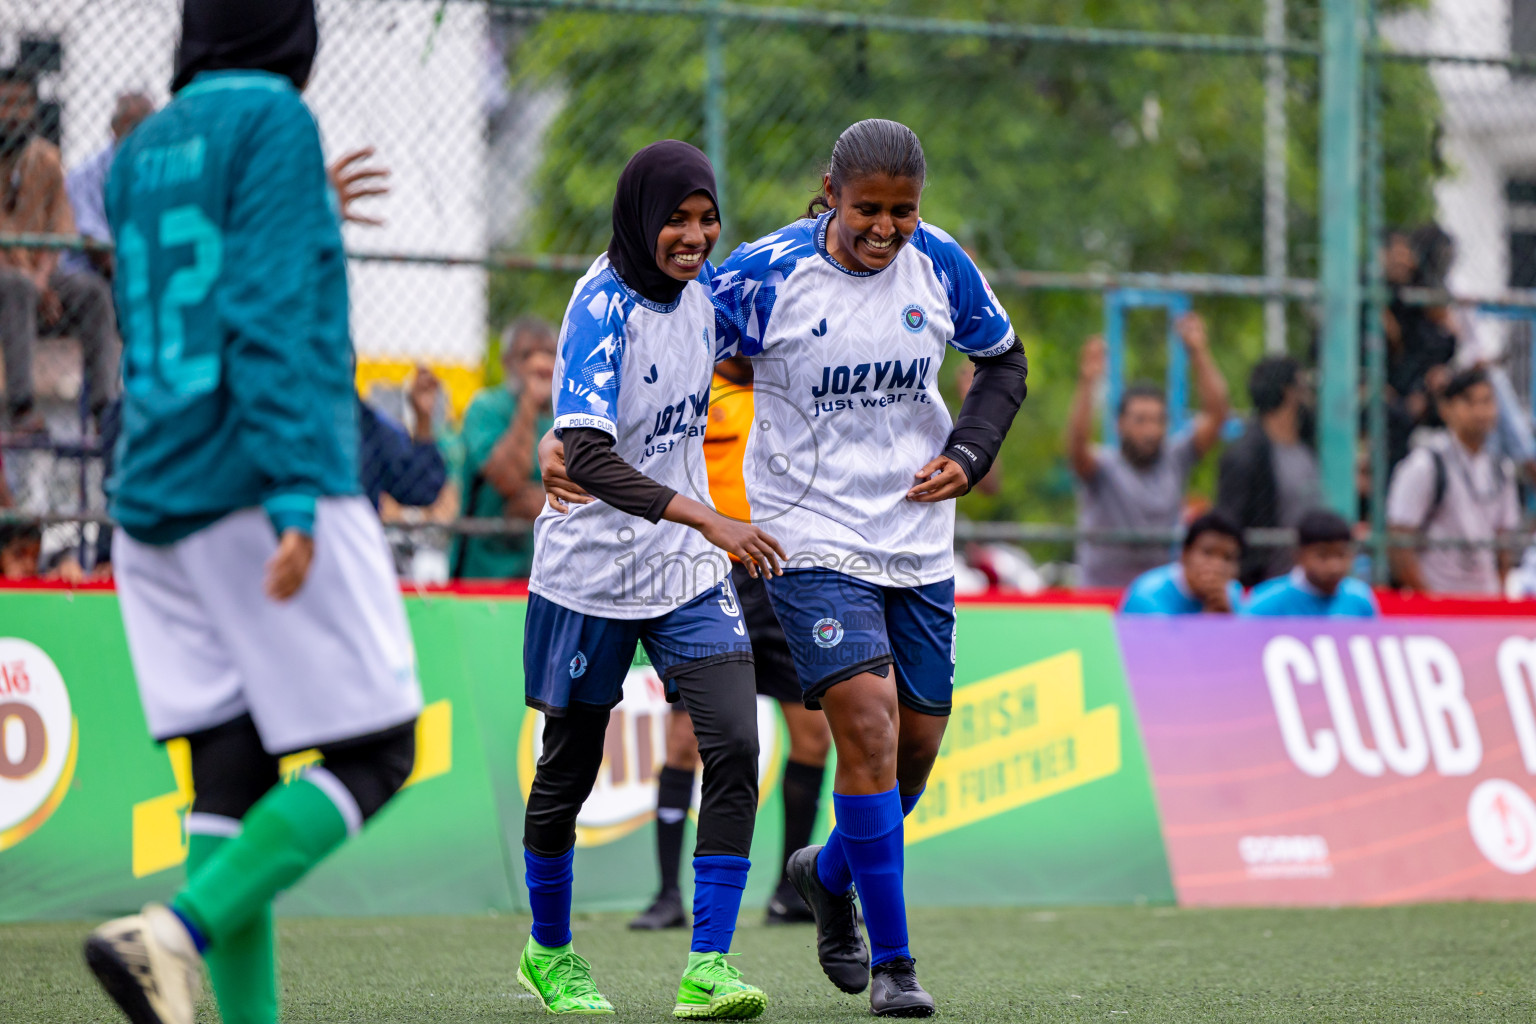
[(1438, 496)]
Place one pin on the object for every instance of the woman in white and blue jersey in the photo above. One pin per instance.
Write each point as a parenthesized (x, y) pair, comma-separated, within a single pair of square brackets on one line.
[(852, 462), (644, 562)]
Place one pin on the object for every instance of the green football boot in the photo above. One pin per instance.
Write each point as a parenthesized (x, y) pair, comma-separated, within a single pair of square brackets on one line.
[(712, 989), (561, 980)]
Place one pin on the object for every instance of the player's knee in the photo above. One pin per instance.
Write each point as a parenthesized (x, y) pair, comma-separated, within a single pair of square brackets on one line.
[(810, 740), (374, 769), (869, 736), (230, 769), (919, 752)]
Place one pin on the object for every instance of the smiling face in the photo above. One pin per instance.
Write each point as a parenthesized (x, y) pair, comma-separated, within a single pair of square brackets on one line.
[(685, 240), (876, 214)]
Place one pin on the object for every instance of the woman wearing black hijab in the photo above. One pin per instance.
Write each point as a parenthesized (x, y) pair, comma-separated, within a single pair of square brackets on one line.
[(643, 563)]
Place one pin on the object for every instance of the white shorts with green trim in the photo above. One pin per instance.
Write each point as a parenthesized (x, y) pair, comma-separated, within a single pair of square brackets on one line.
[(332, 663)]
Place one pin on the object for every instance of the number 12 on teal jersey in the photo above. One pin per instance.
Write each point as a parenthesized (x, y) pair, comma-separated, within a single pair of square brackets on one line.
[(157, 355)]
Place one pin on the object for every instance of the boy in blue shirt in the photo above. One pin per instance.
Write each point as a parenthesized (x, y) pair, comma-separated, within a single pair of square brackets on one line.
[(1320, 583), (1204, 579)]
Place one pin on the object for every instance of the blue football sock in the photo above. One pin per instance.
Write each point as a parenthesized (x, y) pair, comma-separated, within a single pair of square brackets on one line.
[(872, 841), (192, 930), (717, 885), (549, 896), (832, 862)]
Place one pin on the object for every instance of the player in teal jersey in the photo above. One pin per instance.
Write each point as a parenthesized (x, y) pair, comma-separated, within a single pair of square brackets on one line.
[(260, 604)]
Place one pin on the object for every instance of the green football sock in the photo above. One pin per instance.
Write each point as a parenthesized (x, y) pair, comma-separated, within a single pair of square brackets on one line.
[(243, 966), (289, 831)]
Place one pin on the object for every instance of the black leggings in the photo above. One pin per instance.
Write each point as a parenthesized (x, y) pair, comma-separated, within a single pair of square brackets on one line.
[(722, 700), (231, 770)]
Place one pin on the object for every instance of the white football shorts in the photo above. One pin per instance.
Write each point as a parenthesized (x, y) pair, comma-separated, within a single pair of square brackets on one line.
[(332, 663)]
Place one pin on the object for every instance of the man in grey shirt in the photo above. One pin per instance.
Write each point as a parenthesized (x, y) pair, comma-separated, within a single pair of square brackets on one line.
[(1454, 487), (1139, 485)]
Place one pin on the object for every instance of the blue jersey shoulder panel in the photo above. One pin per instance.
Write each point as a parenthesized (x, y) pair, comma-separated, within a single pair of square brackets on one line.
[(981, 324), (746, 284), (592, 354)]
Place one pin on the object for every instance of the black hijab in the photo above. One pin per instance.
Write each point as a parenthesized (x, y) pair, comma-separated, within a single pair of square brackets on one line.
[(654, 183), (262, 35)]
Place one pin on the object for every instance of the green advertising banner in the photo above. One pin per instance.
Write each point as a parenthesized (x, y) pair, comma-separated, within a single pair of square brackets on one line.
[(1040, 794)]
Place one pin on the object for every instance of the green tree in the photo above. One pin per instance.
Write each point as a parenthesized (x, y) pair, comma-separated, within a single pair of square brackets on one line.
[(1040, 157)]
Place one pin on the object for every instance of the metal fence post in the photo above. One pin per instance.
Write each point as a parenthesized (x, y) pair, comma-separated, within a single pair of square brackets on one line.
[(714, 102), (1375, 343), (1275, 155), (1338, 412)]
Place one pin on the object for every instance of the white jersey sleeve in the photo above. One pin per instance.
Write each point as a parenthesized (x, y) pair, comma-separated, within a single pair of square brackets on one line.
[(981, 326), (592, 355), (747, 285), (640, 371)]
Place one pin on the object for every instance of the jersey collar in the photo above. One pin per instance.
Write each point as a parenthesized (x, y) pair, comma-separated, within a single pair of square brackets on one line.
[(236, 78), (655, 307)]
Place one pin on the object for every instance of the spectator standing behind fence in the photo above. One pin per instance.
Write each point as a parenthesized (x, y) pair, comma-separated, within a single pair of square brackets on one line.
[(1269, 477), (86, 187), (33, 291), (502, 428), (1140, 484), (407, 467), (1454, 487), (1320, 583), (1204, 579)]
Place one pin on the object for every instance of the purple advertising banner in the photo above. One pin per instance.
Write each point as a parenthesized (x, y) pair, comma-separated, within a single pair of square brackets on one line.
[(1307, 761)]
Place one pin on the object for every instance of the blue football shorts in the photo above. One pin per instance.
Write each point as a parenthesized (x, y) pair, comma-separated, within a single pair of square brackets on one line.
[(839, 625), (573, 658)]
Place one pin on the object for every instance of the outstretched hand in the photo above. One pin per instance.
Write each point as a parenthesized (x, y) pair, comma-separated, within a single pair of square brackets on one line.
[(941, 479), (356, 183)]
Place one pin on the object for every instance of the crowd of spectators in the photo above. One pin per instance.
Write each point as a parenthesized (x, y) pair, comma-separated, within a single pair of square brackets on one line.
[(39, 293), (1459, 450)]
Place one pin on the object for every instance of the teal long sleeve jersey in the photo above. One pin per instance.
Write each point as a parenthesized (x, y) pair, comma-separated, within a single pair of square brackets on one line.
[(231, 290)]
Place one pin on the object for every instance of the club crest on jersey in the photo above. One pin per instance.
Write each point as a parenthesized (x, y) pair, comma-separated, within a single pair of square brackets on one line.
[(827, 633), (914, 318), (578, 665)]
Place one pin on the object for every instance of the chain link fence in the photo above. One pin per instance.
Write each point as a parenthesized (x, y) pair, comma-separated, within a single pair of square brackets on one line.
[(1110, 173)]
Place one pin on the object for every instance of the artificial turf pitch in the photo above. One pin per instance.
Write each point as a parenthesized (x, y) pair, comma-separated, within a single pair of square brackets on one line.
[(1452, 962)]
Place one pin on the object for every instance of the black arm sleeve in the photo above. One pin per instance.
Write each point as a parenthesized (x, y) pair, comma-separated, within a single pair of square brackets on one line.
[(988, 410), (591, 464)]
